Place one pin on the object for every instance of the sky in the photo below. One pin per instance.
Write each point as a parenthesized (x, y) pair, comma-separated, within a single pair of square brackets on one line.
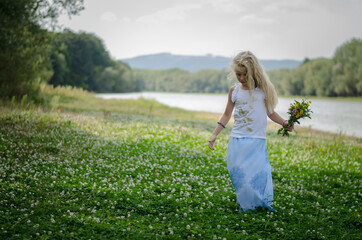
[(271, 29)]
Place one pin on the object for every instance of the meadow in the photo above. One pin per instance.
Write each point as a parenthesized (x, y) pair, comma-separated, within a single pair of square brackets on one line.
[(81, 167)]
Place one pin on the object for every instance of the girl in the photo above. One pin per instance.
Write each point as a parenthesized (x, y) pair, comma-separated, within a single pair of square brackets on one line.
[(247, 160)]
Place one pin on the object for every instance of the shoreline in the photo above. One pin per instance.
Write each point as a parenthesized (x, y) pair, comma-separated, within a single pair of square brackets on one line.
[(322, 119), (353, 99)]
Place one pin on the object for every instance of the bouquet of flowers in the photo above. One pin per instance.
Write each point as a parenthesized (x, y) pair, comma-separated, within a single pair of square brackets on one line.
[(297, 110)]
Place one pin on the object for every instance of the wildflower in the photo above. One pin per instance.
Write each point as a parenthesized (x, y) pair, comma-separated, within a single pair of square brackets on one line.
[(296, 111)]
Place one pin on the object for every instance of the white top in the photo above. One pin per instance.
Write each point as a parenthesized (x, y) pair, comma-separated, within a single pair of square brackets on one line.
[(250, 114)]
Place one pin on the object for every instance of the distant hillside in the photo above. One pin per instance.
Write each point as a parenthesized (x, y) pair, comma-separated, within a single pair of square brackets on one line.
[(164, 61)]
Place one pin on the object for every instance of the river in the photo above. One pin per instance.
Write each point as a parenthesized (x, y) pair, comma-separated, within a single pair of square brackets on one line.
[(337, 116)]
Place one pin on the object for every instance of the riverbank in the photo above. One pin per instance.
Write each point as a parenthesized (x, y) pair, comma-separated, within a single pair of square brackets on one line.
[(88, 168), (330, 115)]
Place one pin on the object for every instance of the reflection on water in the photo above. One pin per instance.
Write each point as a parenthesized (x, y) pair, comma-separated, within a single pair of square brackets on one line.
[(328, 115)]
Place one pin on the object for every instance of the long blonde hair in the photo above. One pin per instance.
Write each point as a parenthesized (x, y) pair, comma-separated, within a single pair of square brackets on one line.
[(256, 77)]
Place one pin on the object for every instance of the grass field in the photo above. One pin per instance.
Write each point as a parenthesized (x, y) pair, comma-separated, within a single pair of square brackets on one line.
[(86, 168)]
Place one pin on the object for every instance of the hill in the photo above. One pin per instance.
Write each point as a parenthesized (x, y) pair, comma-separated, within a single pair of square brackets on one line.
[(164, 61)]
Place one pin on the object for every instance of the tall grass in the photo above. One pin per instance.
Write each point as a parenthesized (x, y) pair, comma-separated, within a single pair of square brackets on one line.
[(78, 100)]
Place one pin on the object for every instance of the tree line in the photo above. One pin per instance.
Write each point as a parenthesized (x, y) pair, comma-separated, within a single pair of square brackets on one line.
[(177, 80), (339, 76), (31, 54)]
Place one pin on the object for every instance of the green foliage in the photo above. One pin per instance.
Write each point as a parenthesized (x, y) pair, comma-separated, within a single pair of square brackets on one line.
[(177, 80), (340, 76), (317, 77), (76, 57), (81, 60), (347, 69), (23, 50), (312, 78), (24, 43), (117, 78)]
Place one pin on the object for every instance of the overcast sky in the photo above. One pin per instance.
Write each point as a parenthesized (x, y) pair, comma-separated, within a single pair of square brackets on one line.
[(272, 29)]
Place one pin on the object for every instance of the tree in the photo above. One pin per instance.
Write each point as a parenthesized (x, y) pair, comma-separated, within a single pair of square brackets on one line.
[(340, 76), (347, 68), (117, 78), (84, 56), (24, 42), (316, 75), (81, 60)]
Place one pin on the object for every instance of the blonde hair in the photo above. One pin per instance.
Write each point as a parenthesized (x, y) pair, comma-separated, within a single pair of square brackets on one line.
[(246, 62)]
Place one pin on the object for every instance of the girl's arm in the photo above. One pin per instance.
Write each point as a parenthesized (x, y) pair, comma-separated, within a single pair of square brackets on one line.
[(275, 117), (223, 120)]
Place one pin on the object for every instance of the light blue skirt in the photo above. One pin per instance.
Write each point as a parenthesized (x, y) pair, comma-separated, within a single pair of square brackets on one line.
[(250, 172)]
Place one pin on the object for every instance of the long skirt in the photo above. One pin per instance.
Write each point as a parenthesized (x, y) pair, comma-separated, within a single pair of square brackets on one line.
[(250, 172)]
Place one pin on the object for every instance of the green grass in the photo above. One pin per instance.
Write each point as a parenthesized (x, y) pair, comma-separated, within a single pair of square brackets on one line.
[(77, 100), (93, 174)]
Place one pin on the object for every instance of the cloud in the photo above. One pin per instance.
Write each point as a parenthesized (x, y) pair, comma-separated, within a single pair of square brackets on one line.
[(126, 19), (252, 18), (177, 13), (287, 6), (227, 6), (108, 17)]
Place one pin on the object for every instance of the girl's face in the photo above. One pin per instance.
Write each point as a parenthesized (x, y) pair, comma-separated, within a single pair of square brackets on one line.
[(241, 75)]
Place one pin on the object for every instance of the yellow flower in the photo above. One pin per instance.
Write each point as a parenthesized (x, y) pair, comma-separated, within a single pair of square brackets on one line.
[(301, 111)]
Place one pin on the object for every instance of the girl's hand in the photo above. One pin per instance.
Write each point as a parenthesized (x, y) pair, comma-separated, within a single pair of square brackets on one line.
[(290, 127), (211, 142)]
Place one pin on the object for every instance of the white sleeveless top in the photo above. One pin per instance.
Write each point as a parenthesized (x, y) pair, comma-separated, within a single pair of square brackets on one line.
[(250, 116)]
